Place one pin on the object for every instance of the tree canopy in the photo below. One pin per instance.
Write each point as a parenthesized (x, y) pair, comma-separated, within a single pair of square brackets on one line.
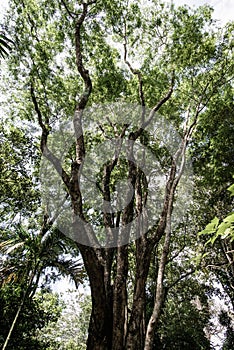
[(118, 150)]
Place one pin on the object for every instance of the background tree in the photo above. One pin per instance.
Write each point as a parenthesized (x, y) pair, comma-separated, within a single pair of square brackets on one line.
[(25, 258), (70, 331), (45, 307)]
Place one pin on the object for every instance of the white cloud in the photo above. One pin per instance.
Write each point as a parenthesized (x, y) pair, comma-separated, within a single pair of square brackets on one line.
[(223, 9), (3, 7)]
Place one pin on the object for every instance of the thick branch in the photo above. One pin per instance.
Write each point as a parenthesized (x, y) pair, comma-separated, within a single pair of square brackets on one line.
[(79, 61), (77, 120), (163, 100), (71, 14), (108, 218), (44, 137), (181, 278)]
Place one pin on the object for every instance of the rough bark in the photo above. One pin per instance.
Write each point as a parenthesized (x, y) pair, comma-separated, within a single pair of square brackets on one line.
[(136, 326), (94, 258), (120, 299), (99, 327)]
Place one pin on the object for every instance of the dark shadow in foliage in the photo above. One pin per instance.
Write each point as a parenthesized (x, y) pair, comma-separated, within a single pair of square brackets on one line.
[(226, 321), (34, 317), (184, 317)]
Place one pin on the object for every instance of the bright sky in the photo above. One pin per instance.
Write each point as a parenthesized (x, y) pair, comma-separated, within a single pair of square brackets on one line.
[(223, 9)]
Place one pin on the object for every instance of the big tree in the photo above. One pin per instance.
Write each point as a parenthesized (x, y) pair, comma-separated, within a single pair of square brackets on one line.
[(109, 68)]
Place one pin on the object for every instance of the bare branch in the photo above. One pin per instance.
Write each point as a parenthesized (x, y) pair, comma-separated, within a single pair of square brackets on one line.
[(71, 14), (181, 278)]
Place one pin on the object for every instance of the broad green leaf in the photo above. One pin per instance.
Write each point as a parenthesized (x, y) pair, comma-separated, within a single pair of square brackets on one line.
[(231, 189), (211, 227)]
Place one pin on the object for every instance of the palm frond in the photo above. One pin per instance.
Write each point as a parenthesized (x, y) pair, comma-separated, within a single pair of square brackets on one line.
[(10, 245), (5, 45), (73, 269), (8, 274)]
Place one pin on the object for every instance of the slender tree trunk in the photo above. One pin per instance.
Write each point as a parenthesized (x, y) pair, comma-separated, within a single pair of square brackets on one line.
[(159, 298), (160, 290), (13, 323), (25, 294)]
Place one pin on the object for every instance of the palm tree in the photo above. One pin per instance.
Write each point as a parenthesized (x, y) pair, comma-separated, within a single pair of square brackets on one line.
[(27, 255)]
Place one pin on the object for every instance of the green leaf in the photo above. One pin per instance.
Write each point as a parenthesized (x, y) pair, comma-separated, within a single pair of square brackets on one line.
[(211, 227), (231, 189), (229, 219)]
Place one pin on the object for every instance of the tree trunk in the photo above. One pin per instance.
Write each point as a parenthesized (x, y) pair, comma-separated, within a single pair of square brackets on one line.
[(136, 328), (5, 345), (120, 299), (99, 327)]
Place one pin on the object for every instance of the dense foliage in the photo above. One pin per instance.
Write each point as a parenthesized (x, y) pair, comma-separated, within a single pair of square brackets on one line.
[(147, 89), (36, 314)]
